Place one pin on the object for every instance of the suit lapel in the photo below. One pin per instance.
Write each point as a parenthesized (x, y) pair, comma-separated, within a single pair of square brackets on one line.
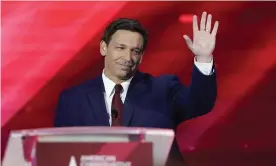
[(135, 93), (96, 100)]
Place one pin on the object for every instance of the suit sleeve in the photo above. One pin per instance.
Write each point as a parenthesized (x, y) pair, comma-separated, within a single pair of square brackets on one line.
[(60, 114), (197, 99)]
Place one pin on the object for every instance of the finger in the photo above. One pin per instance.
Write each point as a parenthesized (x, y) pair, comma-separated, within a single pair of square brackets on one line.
[(195, 25), (203, 21), (215, 29), (208, 25), (188, 41)]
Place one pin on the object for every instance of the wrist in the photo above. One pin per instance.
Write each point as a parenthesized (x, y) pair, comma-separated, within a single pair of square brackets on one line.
[(201, 59)]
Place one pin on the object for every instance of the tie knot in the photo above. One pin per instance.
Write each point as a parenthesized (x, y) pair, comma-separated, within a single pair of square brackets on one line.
[(118, 88)]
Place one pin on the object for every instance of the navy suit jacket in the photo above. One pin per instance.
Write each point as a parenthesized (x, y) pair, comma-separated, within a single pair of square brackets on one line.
[(160, 102)]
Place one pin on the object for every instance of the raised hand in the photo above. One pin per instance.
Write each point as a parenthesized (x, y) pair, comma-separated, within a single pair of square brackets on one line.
[(204, 40)]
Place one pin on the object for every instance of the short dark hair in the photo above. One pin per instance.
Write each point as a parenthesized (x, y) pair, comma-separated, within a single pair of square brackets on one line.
[(125, 24)]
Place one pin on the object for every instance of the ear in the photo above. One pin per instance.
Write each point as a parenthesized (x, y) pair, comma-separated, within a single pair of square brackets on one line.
[(103, 48)]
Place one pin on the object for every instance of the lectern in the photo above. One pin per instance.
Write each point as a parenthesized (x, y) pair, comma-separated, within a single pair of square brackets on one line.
[(89, 146)]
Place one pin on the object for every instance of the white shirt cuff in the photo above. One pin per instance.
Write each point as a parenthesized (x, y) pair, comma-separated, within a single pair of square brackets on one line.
[(205, 68)]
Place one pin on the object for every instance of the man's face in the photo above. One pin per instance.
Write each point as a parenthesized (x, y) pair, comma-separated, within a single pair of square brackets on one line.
[(123, 54)]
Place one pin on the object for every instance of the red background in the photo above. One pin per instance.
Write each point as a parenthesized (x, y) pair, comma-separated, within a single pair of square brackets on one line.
[(49, 46)]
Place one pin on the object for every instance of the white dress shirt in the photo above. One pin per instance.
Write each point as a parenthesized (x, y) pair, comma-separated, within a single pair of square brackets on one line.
[(109, 85)]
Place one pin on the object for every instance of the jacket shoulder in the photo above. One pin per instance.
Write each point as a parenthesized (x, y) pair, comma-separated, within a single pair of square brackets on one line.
[(162, 81), (80, 88), (162, 77)]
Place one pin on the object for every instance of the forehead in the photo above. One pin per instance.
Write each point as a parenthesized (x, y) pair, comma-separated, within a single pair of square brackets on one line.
[(128, 38)]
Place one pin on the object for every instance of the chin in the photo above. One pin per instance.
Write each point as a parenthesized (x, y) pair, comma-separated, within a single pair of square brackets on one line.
[(124, 75)]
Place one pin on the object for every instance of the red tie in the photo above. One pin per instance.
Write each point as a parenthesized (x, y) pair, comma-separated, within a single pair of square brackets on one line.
[(117, 106)]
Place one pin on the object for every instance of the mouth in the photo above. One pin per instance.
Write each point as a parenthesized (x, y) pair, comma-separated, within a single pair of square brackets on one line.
[(125, 66)]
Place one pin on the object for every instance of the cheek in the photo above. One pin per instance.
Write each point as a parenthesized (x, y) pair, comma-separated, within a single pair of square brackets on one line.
[(109, 60), (115, 55), (136, 59), (111, 56)]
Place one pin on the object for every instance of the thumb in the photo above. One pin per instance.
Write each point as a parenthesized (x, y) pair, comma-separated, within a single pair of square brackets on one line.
[(188, 41)]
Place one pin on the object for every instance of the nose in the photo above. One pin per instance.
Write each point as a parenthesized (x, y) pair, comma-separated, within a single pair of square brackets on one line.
[(127, 55)]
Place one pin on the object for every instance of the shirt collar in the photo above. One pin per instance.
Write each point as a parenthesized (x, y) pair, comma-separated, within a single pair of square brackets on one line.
[(109, 85)]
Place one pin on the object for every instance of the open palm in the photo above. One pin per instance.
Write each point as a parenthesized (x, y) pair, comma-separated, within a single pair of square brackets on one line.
[(204, 40)]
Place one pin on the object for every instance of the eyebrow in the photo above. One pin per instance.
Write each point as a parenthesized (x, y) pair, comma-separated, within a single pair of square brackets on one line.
[(120, 44)]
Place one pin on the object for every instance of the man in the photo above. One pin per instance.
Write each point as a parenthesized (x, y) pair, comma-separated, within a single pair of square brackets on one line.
[(124, 96)]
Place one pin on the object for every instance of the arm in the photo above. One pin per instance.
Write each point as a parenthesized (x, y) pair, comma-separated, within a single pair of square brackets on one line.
[(200, 97), (196, 100)]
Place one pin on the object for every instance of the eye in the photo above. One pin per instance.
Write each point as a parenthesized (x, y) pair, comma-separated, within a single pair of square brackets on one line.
[(137, 52), (119, 48)]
